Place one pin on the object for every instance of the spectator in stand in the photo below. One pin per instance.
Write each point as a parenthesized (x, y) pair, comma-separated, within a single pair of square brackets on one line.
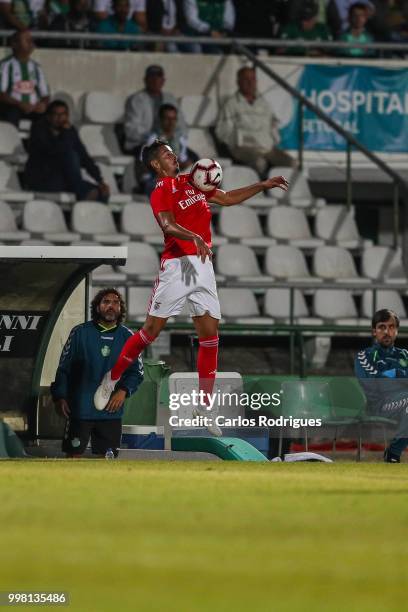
[(215, 18), (142, 111), (248, 127), (390, 20), (24, 14), (357, 33), (78, 19), (343, 9), (328, 15), (56, 8), (24, 92), (56, 156), (167, 132), (164, 17), (137, 11), (305, 28), (118, 23)]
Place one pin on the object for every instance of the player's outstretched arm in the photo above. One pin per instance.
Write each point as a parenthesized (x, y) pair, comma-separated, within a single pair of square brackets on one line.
[(236, 196)]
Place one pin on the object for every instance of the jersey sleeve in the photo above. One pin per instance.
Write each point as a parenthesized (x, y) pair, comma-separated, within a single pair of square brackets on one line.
[(161, 198)]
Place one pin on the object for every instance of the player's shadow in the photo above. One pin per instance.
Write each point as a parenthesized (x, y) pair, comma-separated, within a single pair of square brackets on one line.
[(189, 274)]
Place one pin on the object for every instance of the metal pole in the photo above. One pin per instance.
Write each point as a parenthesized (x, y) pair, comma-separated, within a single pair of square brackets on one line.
[(292, 333), (348, 176), (301, 135), (396, 222)]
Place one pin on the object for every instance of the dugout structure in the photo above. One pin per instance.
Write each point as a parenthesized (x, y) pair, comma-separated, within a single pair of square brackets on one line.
[(36, 284)]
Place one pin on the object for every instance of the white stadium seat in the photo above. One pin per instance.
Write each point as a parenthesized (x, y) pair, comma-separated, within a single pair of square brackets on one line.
[(337, 225), (288, 262), (116, 197), (241, 306), (337, 306), (10, 189), (277, 305), (201, 142), (299, 193), (240, 176), (142, 261), (104, 107), (287, 224), (385, 298), (138, 301), (94, 221), (383, 264), (138, 221), (9, 231), (199, 111), (10, 142), (239, 261), (336, 264), (242, 223), (100, 142), (44, 219), (108, 274)]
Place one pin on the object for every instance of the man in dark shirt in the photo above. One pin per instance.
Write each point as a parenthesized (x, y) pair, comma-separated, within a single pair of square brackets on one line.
[(56, 156)]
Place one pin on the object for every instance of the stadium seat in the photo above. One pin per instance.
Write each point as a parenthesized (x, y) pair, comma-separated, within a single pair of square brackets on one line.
[(199, 111), (337, 306), (299, 193), (142, 261), (240, 306), (241, 176), (288, 262), (103, 107), (94, 221), (337, 225), (11, 146), (383, 264), (138, 301), (35, 242), (239, 261), (108, 274), (201, 142), (101, 143), (241, 223), (385, 298), (216, 239), (129, 182), (336, 264), (9, 231), (116, 197), (44, 219), (138, 221), (287, 224), (277, 305), (10, 189)]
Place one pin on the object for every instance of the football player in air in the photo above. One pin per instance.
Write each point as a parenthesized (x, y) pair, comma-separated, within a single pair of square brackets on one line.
[(186, 270)]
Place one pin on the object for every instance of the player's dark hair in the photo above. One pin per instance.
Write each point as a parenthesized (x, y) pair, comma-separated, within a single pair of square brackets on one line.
[(165, 108), (383, 315), (356, 5), (98, 299), (150, 152), (56, 104)]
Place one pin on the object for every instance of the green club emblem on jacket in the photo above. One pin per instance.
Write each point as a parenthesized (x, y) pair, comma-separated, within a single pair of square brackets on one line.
[(105, 350)]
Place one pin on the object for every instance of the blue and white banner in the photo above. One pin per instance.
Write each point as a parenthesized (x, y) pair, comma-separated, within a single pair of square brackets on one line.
[(371, 103)]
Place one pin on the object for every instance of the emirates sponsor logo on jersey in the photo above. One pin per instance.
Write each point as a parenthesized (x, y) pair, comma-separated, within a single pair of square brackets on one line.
[(197, 197)]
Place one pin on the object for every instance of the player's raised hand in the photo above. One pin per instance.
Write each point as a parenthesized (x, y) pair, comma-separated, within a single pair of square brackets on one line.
[(203, 250), (276, 181)]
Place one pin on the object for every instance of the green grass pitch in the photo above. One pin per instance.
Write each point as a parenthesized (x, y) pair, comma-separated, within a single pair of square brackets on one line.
[(206, 537)]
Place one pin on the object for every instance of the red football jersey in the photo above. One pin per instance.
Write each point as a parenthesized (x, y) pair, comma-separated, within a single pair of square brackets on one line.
[(190, 208)]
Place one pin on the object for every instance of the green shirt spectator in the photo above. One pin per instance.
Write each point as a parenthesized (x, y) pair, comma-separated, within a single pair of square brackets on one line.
[(357, 33), (306, 28), (118, 23)]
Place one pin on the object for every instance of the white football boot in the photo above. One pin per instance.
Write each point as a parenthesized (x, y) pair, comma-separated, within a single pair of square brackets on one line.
[(104, 391), (213, 429)]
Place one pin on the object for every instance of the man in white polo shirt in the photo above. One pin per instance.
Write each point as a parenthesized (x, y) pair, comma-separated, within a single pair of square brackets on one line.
[(24, 92)]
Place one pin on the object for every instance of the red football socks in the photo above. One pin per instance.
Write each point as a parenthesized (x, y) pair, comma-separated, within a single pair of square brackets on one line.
[(131, 351), (207, 363)]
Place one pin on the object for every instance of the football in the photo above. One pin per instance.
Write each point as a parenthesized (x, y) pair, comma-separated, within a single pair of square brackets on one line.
[(206, 174)]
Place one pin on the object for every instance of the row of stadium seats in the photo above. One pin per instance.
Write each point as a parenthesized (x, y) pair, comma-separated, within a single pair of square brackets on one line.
[(282, 263), (241, 306), (333, 225)]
